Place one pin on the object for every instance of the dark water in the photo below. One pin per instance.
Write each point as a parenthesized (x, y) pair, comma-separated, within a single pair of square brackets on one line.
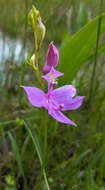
[(10, 47), (12, 53)]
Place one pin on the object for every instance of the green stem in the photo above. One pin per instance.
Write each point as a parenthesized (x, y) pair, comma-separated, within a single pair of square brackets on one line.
[(43, 174), (45, 138), (44, 151), (45, 178), (44, 126), (96, 51), (36, 67)]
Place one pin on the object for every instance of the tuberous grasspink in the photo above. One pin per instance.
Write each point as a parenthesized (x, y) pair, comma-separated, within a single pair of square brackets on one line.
[(56, 100)]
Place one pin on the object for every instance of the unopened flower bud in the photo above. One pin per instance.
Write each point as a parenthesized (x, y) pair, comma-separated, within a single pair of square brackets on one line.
[(32, 61), (36, 14), (31, 20), (52, 58), (33, 16), (40, 31)]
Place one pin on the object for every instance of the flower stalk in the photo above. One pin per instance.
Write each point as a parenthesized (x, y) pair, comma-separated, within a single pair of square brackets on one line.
[(36, 67), (55, 101), (45, 138), (39, 33)]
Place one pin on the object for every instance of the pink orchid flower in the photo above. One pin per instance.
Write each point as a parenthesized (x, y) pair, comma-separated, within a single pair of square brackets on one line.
[(55, 101), (52, 58)]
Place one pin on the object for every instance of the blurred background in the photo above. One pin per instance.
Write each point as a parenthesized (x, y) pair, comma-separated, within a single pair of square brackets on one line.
[(76, 156)]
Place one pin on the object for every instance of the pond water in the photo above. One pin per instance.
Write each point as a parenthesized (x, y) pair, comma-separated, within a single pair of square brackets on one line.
[(11, 51), (10, 47)]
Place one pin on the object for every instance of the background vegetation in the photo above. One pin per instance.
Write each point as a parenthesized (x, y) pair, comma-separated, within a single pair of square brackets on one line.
[(75, 156)]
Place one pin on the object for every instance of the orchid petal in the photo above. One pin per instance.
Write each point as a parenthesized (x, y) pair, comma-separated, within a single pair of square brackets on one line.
[(64, 94), (35, 96), (59, 116), (52, 75), (73, 104)]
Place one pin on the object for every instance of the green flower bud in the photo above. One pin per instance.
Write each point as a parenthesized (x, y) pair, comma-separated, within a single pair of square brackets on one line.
[(33, 16), (37, 26), (40, 31), (36, 14), (32, 61), (31, 20)]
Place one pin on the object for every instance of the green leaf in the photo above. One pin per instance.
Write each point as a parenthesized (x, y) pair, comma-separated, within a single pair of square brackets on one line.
[(78, 48), (10, 180), (35, 141), (38, 148), (17, 154)]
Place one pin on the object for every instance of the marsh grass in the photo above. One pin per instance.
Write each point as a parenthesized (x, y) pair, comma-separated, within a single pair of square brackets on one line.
[(75, 156)]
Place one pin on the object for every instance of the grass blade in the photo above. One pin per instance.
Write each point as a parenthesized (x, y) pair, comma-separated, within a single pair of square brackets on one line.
[(38, 149), (17, 155)]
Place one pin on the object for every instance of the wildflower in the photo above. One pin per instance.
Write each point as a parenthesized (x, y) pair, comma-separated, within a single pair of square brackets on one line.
[(55, 101), (52, 58), (52, 76)]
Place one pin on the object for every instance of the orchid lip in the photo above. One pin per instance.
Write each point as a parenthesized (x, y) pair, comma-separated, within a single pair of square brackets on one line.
[(52, 76)]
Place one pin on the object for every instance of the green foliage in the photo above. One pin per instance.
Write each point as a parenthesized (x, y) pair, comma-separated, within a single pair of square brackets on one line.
[(36, 142), (38, 148), (10, 181), (75, 156), (17, 155), (78, 48), (82, 17)]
